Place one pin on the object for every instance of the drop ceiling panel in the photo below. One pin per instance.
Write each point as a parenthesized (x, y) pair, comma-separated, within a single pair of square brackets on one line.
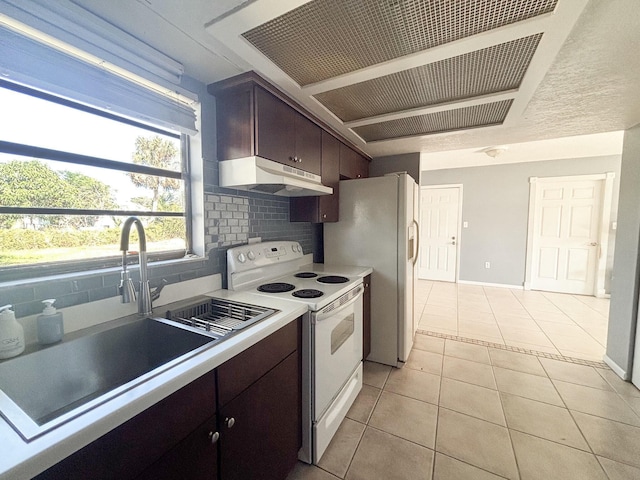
[(326, 38), (490, 70), (439, 122)]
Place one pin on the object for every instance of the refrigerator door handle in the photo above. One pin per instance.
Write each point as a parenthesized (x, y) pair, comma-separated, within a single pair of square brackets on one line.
[(417, 242)]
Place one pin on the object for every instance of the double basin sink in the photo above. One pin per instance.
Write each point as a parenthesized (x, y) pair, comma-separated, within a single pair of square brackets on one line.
[(44, 389)]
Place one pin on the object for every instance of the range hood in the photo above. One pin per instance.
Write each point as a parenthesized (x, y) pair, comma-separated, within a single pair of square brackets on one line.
[(258, 174)]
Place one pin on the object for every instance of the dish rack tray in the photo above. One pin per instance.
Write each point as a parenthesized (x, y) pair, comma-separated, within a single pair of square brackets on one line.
[(218, 316)]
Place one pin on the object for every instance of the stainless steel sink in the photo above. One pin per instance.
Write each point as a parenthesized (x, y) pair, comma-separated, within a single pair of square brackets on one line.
[(44, 389)]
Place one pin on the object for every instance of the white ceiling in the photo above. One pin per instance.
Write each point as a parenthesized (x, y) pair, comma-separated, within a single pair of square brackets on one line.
[(585, 80)]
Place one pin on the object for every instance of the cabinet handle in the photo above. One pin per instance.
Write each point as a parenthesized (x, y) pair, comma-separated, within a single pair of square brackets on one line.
[(214, 436), (230, 422), (299, 160), (359, 175), (324, 215)]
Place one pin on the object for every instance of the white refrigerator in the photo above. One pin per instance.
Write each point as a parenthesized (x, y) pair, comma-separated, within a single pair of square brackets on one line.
[(378, 228)]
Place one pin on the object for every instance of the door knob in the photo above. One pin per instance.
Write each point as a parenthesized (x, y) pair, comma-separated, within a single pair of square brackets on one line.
[(453, 243), (593, 244), (230, 422)]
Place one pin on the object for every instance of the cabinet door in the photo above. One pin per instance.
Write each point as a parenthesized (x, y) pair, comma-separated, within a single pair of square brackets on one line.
[(330, 177), (362, 168), (323, 208), (234, 124), (352, 164), (260, 430), (366, 318), (126, 451), (308, 145), (195, 458), (275, 128)]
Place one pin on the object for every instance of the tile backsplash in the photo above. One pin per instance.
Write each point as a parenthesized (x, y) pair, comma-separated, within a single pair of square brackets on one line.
[(231, 218)]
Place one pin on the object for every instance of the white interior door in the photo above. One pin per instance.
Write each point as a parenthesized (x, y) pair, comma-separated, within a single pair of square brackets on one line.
[(566, 232), (439, 222)]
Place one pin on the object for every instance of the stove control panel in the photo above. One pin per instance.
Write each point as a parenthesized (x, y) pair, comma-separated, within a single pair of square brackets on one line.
[(256, 255)]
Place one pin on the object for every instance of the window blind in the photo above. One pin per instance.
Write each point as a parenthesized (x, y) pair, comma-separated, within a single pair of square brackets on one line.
[(30, 62)]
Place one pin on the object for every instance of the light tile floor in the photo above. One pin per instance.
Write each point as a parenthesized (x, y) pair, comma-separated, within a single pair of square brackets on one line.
[(569, 325), (459, 411)]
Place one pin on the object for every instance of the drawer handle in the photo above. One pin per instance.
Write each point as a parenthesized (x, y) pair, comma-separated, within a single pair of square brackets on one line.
[(230, 422), (214, 436)]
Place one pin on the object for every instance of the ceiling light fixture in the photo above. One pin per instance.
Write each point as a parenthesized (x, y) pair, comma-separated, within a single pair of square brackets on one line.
[(494, 152)]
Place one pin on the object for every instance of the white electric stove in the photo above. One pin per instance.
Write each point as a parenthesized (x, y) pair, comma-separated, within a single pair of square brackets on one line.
[(331, 329)]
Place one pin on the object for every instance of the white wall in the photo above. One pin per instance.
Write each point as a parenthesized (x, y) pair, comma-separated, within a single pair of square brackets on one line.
[(623, 311), (495, 205)]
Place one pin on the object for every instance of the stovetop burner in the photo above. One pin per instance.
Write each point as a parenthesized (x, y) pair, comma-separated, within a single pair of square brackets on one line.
[(277, 287), (307, 293), (333, 279), (306, 275)]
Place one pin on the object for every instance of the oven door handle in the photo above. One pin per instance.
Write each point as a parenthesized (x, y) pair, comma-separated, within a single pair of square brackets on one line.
[(322, 314)]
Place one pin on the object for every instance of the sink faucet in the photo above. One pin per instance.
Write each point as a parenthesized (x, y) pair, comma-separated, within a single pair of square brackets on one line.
[(127, 290)]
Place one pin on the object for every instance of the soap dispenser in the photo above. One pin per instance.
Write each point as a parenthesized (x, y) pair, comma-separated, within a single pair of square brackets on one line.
[(50, 326), (11, 334)]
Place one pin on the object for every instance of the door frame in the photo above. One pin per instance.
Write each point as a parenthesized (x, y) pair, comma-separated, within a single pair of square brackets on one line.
[(603, 233), (458, 227)]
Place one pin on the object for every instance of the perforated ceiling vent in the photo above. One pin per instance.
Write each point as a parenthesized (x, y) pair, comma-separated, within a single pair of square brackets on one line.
[(485, 71), (326, 38), (446, 121)]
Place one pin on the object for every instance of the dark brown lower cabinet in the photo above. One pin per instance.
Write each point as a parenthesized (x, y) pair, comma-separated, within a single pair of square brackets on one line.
[(126, 451), (190, 435), (194, 458), (260, 431)]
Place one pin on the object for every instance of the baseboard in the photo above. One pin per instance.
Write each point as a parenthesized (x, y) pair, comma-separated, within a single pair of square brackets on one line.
[(616, 368), (486, 284)]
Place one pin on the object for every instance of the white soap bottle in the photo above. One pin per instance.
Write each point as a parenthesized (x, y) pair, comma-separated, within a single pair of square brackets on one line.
[(50, 325), (11, 334)]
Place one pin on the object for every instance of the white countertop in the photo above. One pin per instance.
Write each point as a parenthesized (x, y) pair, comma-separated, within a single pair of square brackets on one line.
[(23, 460), (346, 270)]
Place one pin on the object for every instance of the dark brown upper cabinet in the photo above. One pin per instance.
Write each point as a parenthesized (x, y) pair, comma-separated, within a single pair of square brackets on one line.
[(352, 164), (254, 118), (323, 208), (252, 121)]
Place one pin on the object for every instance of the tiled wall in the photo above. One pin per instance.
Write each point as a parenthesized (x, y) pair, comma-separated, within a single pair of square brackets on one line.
[(68, 291), (232, 217)]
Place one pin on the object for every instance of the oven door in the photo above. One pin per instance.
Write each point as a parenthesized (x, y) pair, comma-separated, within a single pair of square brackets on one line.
[(337, 347)]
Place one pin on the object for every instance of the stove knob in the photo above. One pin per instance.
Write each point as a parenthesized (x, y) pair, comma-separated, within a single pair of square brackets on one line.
[(251, 256), (242, 258)]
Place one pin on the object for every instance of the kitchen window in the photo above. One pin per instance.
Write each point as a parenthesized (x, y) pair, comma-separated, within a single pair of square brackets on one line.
[(70, 174)]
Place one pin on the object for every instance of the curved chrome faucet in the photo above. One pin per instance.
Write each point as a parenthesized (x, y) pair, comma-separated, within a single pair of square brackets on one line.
[(127, 290)]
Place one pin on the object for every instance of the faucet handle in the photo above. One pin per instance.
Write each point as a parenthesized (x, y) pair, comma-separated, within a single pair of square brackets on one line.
[(156, 292)]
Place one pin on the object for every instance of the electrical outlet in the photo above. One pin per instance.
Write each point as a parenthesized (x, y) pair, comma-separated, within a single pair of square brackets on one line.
[(487, 264)]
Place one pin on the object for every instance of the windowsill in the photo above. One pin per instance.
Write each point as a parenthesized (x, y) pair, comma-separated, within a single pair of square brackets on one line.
[(26, 282)]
